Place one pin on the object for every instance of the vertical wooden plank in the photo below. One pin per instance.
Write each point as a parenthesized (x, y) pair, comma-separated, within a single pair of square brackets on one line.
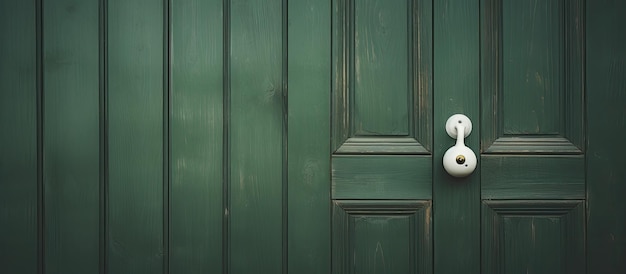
[(18, 137), (196, 132), (104, 134), (456, 81), (166, 114), (309, 132), (71, 136), (135, 113), (606, 89), (256, 136)]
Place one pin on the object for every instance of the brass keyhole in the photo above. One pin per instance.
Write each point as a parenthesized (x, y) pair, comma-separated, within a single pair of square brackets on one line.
[(460, 159)]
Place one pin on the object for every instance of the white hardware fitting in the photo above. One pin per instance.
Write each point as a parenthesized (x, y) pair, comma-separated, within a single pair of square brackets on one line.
[(459, 160)]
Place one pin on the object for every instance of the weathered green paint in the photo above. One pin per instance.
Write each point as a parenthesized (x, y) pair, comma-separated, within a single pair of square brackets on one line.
[(532, 66), (381, 177), (71, 163), (533, 236), (606, 89), (196, 136), (381, 116), (381, 51), (135, 203), (456, 202), (532, 177), (257, 95), (18, 138), (377, 250), (308, 124), (158, 137), (382, 236), (532, 137), (532, 77), (382, 70)]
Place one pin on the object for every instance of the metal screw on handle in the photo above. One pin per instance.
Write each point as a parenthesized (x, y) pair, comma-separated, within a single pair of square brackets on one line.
[(459, 160)]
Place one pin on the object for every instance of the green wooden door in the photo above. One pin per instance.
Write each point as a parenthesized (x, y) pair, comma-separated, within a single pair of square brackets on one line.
[(297, 136), (400, 70)]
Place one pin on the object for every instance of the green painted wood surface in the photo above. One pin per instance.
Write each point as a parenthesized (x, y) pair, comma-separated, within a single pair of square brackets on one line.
[(308, 202), (18, 138), (382, 70), (532, 48), (381, 121), (256, 148), (533, 243), (532, 89), (197, 136), (382, 236), (381, 66), (575, 73), (278, 149), (606, 86), (71, 135), (533, 236), (532, 177), (376, 250), (381, 177), (532, 136), (532, 145), (381, 146), (135, 137), (456, 202)]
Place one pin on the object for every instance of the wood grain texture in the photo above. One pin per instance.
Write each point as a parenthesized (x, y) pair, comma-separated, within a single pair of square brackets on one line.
[(308, 204), (539, 236), (532, 145), (380, 67), (18, 138), (135, 119), (381, 75), (197, 136), (532, 177), (532, 65), (381, 177), (283, 225), (381, 145), (606, 85), (532, 75), (376, 250), (456, 202), (378, 236), (71, 136), (256, 144)]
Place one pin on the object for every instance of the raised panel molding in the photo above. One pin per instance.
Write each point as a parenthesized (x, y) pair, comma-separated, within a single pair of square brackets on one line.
[(382, 236), (543, 77), (535, 235), (381, 102), (380, 145)]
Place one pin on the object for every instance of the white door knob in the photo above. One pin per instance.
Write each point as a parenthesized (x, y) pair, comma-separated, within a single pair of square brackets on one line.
[(459, 160)]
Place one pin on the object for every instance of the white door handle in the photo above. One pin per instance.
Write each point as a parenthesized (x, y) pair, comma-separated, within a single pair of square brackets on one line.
[(459, 160)]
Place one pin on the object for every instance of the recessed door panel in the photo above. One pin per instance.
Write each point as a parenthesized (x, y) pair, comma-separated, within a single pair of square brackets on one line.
[(374, 236), (534, 236)]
